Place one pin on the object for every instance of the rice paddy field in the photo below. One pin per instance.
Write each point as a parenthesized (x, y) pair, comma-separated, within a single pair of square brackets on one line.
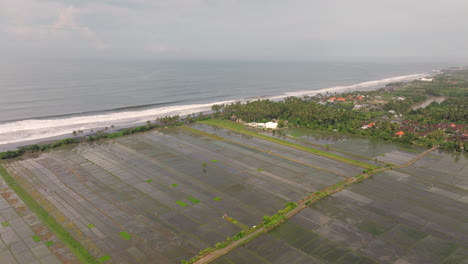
[(361, 146), (24, 239), (164, 195), (417, 214)]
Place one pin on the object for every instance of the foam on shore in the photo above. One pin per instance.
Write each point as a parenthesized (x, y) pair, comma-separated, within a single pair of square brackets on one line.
[(45, 128)]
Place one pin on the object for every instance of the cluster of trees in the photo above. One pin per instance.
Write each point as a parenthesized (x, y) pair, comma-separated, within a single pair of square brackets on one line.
[(425, 126), (453, 109)]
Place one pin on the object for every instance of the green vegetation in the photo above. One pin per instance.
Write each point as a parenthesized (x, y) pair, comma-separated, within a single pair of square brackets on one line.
[(49, 220), (49, 243), (235, 222), (268, 222), (125, 235), (168, 121), (193, 200), (104, 258), (36, 148), (214, 160), (181, 203), (242, 129), (90, 226), (36, 238), (280, 216), (208, 135), (149, 181), (217, 199), (174, 185), (259, 170), (5, 223), (388, 110)]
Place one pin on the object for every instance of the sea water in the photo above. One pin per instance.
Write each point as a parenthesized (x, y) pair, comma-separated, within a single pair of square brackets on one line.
[(46, 99)]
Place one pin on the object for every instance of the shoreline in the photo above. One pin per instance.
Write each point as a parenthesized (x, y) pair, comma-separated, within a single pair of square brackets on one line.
[(150, 114)]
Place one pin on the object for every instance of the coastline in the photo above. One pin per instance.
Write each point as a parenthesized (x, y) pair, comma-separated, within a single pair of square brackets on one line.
[(39, 131)]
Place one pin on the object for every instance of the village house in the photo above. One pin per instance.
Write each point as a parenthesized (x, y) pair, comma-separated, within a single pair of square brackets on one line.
[(426, 79), (357, 107), (400, 133)]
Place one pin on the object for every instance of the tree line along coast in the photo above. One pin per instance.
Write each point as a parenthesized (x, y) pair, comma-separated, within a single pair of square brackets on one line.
[(424, 112)]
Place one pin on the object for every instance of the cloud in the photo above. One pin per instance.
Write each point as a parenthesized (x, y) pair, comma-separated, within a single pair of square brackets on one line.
[(235, 28), (66, 22), (63, 25)]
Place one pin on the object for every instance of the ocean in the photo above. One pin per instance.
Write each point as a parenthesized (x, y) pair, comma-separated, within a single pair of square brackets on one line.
[(50, 99)]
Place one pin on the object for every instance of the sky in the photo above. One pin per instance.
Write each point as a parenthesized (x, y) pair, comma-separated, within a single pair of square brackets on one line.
[(234, 29)]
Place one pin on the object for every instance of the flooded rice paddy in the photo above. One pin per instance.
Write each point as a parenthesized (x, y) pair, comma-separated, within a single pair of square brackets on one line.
[(160, 197), (418, 214)]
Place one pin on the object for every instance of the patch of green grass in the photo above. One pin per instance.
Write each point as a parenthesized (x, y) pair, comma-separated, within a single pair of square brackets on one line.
[(104, 258), (49, 243), (36, 238), (150, 180), (214, 160), (174, 185), (125, 235), (81, 252), (241, 129), (217, 199), (260, 170), (90, 226), (181, 203), (203, 133), (193, 200), (5, 223)]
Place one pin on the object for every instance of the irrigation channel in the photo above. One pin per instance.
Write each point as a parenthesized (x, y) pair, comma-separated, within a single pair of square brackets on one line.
[(304, 204)]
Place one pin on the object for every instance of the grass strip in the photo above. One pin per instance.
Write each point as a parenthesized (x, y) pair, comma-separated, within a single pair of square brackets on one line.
[(217, 199), (237, 223), (241, 129), (125, 235), (193, 200), (90, 226), (5, 223), (75, 246), (174, 185), (49, 243), (181, 203), (104, 258), (149, 181), (203, 133), (36, 238), (267, 223)]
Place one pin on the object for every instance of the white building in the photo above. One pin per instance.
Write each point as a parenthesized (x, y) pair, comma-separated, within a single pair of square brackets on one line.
[(357, 107), (271, 125), (426, 79)]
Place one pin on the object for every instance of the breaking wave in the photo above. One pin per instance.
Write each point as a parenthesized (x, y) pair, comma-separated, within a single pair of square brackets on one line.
[(62, 125)]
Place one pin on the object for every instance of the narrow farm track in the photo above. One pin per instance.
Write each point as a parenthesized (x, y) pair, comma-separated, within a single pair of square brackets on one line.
[(302, 205)]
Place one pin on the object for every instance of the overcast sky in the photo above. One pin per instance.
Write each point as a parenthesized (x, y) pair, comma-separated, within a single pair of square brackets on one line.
[(234, 29)]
